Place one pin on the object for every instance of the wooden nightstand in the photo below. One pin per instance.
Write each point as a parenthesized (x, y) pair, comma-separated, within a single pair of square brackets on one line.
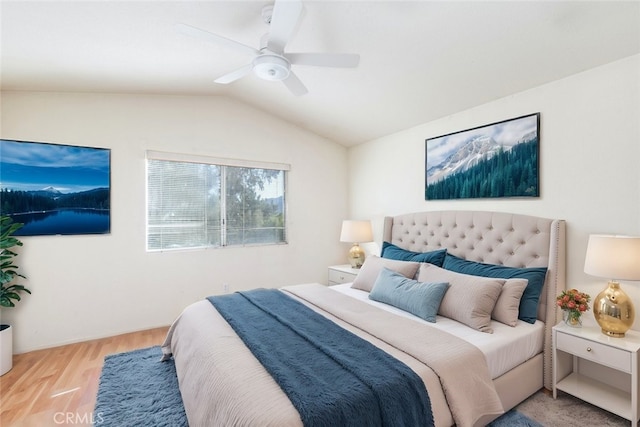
[(342, 274), (598, 369)]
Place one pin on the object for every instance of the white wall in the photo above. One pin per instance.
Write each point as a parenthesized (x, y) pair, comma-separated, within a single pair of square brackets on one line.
[(93, 286), (589, 164)]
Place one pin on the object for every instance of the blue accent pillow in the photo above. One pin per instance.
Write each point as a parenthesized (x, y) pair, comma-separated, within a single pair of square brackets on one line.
[(391, 251), (528, 310), (421, 299)]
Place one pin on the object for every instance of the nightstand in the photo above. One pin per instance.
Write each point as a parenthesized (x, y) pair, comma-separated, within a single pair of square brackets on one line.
[(342, 274), (598, 369)]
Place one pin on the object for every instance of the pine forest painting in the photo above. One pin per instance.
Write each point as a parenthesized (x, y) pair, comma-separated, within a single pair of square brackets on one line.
[(495, 160), (55, 189)]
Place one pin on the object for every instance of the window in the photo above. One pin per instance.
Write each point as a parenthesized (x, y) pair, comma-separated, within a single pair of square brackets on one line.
[(199, 202)]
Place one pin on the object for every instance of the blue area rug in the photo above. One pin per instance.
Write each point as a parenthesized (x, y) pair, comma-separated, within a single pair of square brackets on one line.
[(137, 389), (514, 418)]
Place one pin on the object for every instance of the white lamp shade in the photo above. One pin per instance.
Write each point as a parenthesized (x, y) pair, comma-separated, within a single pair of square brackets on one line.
[(356, 231), (613, 257)]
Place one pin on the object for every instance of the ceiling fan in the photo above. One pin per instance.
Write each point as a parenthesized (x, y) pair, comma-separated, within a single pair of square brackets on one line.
[(270, 62)]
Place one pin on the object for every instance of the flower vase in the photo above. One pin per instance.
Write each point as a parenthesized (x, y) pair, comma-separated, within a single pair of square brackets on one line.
[(572, 318)]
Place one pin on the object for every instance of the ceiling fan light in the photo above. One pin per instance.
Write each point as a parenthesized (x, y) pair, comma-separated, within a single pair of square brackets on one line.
[(271, 67)]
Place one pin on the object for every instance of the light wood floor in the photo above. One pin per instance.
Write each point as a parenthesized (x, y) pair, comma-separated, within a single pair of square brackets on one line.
[(58, 386)]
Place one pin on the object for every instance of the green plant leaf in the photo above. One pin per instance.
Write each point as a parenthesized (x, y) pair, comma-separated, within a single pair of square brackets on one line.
[(13, 295), (9, 291)]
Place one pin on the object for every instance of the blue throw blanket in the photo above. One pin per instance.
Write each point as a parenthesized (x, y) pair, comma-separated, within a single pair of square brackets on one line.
[(331, 376)]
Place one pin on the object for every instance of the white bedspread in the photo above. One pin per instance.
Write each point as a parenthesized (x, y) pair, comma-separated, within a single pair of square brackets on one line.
[(214, 367), (505, 349)]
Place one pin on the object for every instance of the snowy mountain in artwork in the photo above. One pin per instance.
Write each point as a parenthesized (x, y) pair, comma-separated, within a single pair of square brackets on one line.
[(529, 136), (474, 150), (470, 153)]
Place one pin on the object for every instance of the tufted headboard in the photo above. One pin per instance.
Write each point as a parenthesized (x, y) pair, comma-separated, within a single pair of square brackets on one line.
[(499, 238)]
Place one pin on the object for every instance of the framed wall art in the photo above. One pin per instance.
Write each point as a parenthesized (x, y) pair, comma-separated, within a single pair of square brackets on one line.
[(55, 189), (495, 160)]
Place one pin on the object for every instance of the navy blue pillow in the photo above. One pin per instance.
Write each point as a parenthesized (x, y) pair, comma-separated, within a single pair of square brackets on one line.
[(391, 251), (528, 310), (419, 298)]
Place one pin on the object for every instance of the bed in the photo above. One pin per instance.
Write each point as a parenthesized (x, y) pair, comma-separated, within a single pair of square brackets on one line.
[(222, 383)]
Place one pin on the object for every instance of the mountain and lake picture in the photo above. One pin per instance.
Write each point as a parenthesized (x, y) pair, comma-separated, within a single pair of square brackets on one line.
[(55, 189), (495, 160)]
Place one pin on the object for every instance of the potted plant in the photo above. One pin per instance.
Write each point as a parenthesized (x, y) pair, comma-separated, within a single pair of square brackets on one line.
[(9, 290)]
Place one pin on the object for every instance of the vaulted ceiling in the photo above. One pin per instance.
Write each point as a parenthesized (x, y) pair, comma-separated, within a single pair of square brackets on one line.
[(419, 60)]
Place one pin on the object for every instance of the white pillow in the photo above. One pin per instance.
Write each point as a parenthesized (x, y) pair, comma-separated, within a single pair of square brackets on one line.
[(508, 305), (372, 267), (469, 299)]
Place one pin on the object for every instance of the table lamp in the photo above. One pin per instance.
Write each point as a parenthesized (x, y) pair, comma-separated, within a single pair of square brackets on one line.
[(356, 232), (614, 258)]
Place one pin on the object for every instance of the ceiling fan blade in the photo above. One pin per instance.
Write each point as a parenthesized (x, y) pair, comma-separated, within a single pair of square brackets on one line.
[(340, 60), (234, 75), (283, 22), (294, 85), (206, 35)]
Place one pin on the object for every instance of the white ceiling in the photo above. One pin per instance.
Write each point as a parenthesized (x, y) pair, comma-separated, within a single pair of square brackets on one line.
[(420, 60)]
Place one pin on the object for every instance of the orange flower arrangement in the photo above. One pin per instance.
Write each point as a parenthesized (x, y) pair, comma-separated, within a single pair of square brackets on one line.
[(574, 303)]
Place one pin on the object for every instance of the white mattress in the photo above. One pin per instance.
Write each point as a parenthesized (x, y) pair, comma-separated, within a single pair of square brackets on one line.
[(505, 349)]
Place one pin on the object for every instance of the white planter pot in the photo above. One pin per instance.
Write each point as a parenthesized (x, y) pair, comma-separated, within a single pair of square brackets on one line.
[(6, 349)]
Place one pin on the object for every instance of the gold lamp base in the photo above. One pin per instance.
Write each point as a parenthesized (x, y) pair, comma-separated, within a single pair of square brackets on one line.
[(613, 310), (356, 256)]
